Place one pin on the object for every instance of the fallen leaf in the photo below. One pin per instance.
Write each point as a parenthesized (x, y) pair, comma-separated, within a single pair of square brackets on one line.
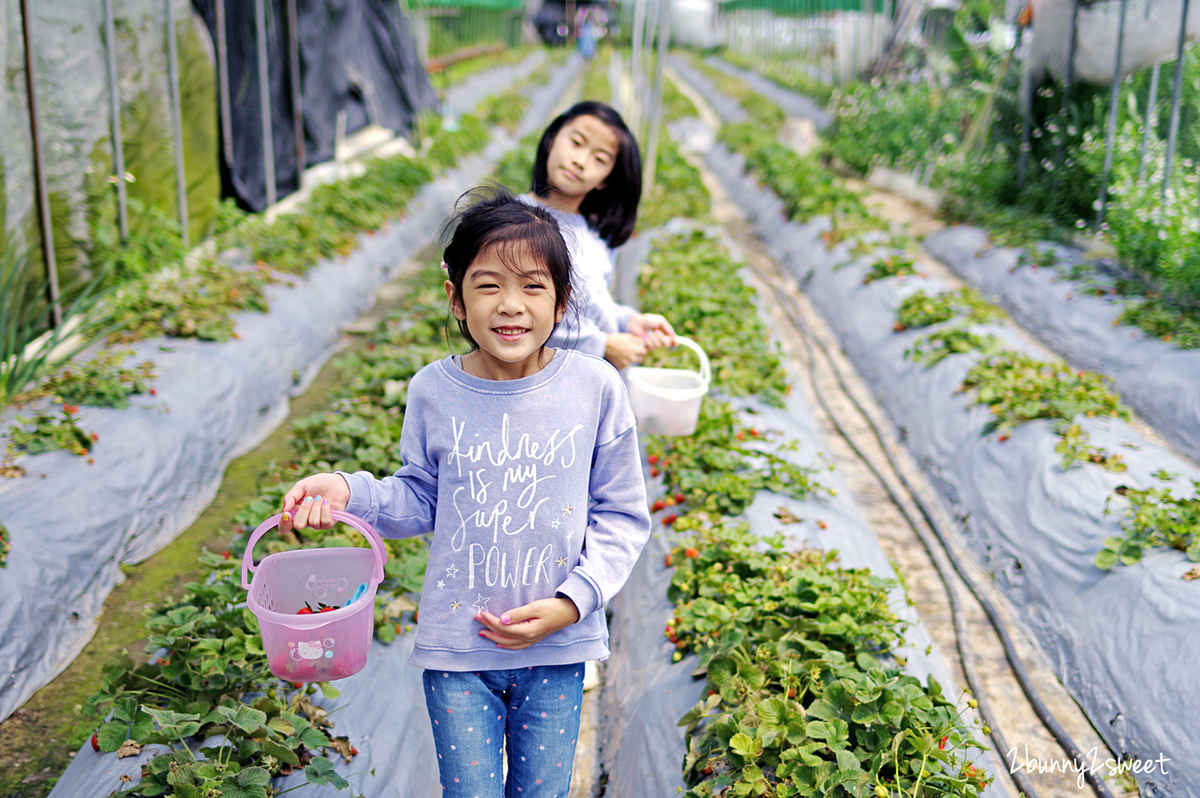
[(785, 516), (129, 748)]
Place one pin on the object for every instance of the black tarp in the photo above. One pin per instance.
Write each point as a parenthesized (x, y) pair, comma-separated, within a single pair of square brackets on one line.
[(357, 57)]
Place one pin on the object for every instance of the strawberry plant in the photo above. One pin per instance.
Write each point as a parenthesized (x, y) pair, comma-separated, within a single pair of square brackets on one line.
[(5, 546), (206, 655), (722, 468), (48, 431), (1020, 388), (921, 309), (936, 346), (100, 382), (1154, 517), (890, 265)]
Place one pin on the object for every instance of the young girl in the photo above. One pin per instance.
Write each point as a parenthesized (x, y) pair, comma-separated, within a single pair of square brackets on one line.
[(502, 448), (588, 171)]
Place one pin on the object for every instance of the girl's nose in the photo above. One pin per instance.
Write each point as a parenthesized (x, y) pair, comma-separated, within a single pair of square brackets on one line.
[(511, 302)]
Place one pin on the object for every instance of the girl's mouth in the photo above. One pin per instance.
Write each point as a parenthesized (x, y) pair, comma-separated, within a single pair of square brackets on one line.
[(510, 332)]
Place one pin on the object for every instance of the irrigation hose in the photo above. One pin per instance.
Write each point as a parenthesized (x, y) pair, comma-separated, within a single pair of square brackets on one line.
[(1019, 671)]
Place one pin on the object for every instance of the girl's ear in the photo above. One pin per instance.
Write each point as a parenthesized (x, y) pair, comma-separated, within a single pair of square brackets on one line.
[(456, 305), (561, 311)]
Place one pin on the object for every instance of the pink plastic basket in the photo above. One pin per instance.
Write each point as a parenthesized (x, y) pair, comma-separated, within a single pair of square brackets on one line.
[(322, 646)]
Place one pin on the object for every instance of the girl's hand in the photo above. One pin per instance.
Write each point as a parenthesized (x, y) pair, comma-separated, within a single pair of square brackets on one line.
[(309, 502), (522, 627), (624, 349), (653, 329)]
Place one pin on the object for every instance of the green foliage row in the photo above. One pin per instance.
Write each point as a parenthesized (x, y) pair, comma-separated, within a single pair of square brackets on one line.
[(804, 696)]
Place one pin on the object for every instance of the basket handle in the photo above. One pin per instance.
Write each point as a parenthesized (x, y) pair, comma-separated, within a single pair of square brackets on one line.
[(705, 368), (344, 517)]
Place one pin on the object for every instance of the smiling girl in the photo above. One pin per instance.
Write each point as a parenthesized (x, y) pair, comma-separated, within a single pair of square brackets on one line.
[(588, 172), (502, 449)]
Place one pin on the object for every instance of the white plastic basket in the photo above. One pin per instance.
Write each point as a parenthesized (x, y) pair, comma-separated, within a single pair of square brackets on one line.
[(667, 401)]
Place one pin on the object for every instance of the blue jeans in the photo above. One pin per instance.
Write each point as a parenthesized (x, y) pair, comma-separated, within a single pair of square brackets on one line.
[(532, 711)]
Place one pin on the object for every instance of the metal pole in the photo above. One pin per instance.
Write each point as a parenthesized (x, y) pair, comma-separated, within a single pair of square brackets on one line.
[(264, 101), (177, 123), (1111, 131), (223, 85), (1149, 123), (1173, 131), (656, 109), (1067, 84), (39, 174), (639, 14), (114, 107), (293, 27)]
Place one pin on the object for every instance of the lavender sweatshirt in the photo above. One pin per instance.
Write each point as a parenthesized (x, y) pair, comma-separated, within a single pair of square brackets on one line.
[(502, 472)]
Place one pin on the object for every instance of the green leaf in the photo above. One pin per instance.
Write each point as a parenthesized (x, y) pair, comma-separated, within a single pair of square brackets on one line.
[(1106, 559), (320, 771), (745, 745)]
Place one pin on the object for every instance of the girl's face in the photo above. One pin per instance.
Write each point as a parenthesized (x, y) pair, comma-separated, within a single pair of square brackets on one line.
[(581, 157), (509, 313)]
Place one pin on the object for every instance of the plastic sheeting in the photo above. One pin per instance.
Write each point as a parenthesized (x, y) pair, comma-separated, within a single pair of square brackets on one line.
[(1121, 642), (356, 58), (159, 462), (1160, 381), (793, 104), (1151, 36)]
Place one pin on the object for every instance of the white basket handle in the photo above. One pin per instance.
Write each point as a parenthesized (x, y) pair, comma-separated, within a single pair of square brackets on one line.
[(705, 369)]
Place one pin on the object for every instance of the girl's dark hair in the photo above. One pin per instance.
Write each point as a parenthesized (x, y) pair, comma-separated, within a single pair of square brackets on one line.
[(612, 210), (492, 218)]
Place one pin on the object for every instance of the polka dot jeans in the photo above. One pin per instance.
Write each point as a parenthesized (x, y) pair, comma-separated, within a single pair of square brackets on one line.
[(534, 711)]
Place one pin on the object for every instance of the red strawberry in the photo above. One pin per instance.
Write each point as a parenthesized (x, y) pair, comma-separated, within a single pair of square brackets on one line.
[(652, 459), (680, 498), (942, 744), (667, 561), (669, 519), (658, 505), (653, 472), (691, 553), (304, 611), (95, 742)]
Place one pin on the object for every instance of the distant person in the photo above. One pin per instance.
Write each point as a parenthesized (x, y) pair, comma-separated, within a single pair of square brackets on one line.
[(588, 171), (586, 34)]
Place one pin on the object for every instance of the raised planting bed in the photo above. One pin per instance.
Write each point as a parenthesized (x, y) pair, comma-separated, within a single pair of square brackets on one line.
[(1080, 319)]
